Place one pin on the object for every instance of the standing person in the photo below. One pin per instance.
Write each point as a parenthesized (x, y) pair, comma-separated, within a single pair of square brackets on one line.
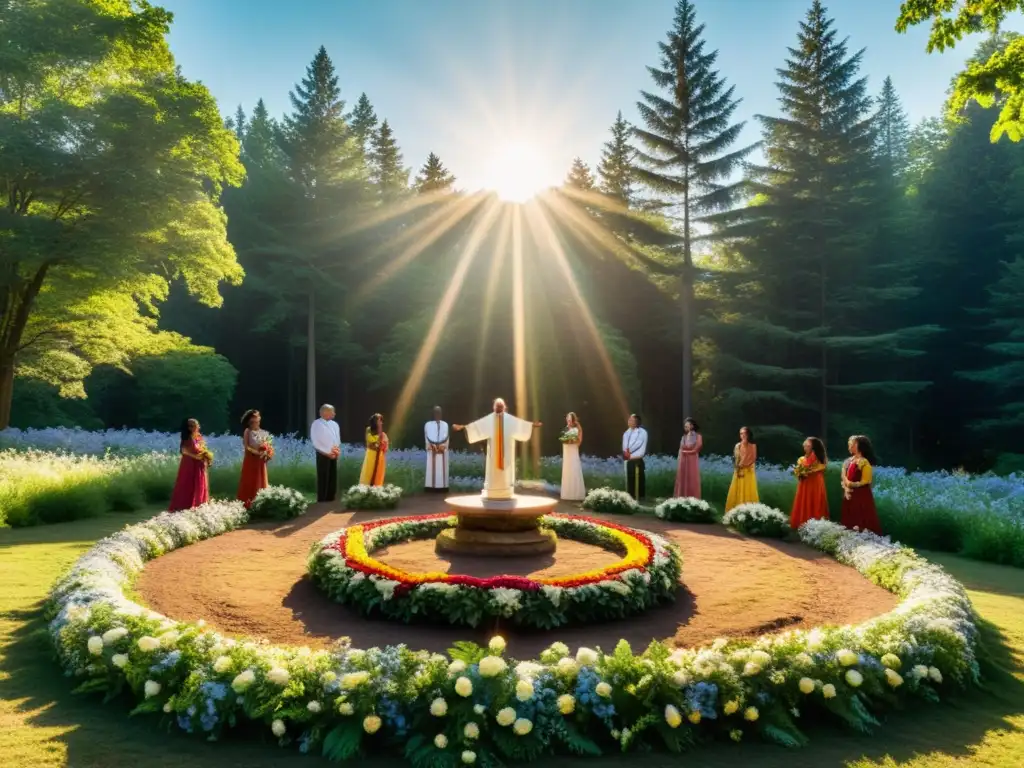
[(573, 488), (435, 433), (859, 509), (258, 451), (502, 431), (326, 441), (192, 487), (688, 472), (634, 448), (811, 501), (743, 488), (375, 461)]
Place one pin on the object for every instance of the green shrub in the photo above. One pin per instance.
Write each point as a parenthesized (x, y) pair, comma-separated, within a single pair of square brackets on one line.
[(756, 519), (372, 496), (686, 510), (277, 503), (60, 504)]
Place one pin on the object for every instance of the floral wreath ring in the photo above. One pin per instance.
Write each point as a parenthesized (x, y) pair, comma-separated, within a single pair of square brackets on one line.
[(343, 566)]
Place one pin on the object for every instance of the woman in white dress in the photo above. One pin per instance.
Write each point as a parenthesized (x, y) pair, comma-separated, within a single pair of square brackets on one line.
[(572, 468)]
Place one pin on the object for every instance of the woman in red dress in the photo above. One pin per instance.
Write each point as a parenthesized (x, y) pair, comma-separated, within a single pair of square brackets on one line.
[(192, 488), (258, 452), (858, 501), (688, 469), (811, 502)]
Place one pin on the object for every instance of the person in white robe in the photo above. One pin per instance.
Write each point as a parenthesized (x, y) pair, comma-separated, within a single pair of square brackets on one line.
[(502, 431), (435, 434), (634, 448)]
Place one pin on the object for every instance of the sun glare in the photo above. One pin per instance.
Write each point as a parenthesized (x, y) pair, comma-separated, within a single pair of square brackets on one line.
[(517, 172)]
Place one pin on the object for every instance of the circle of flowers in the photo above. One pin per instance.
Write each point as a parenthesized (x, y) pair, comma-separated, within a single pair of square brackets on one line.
[(648, 573)]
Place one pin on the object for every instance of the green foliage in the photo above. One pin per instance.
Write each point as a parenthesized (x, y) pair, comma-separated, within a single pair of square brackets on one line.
[(434, 177), (579, 176), (344, 742), (276, 502), (611, 502), (615, 169), (113, 163), (387, 173)]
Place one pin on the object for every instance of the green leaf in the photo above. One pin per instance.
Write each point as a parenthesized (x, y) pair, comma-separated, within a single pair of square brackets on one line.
[(344, 742)]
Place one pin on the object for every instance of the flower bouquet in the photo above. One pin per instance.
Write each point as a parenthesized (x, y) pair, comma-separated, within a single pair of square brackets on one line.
[(569, 435), (740, 471), (803, 468), (266, 445), (205, 454)]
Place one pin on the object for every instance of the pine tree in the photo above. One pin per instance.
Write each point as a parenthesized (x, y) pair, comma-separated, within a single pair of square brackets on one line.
[(259, 144), (893, 131), (434, 177), (686, 156), (363, 122), (239, 123), (615, 169), (386, 170), (579, 176), (807, 342)]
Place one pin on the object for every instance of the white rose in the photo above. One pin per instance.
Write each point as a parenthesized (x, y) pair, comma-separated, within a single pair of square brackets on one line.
[(456, 667), (167, 707), (479, 709), (152, 688), (345, 708), (846, 657), (894, 678), (119, 660), (95, 645), (806, 685), (277, 728)]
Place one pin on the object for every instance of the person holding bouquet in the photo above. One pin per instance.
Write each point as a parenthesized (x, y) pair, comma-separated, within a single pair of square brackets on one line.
[(259, 449), (811, 501), (375, 460), (743, 488), (573, 488), (859, 509), (688, 471), (326, 441), (192, 486)]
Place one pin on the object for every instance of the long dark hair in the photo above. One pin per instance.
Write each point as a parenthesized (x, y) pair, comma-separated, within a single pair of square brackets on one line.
[(818, 449), (247, 417), (750, 435), (186, 429), (692, 422), (374, 423), (866, 449)]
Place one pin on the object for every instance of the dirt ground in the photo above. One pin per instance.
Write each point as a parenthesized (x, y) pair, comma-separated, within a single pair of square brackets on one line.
[(253, 582)]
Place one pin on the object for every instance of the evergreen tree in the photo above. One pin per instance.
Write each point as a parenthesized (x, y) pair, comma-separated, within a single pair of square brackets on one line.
[(807, 334), (363, 122), (579, 176), (893, 131), (434, 177), (239, 123), (615, 169), (686, 156), (259, 142), (386, 170)]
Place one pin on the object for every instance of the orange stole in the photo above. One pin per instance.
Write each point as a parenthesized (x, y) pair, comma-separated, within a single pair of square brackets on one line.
[(500, 438)]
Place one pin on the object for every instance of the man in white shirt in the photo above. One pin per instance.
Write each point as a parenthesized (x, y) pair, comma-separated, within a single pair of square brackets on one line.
[(326, 440), (634, 448), (435, 433)]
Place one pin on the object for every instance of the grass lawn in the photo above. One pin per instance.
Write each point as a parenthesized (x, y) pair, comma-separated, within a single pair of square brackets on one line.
[(42, 724)]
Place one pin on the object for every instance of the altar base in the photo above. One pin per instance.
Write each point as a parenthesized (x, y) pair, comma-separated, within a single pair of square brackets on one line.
[(498, 527)]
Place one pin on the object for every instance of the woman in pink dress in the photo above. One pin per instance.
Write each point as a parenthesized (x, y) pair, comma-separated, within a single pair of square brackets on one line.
[(192, 487), (688, 473)]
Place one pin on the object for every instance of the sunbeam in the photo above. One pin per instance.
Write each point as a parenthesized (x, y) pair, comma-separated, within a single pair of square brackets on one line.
[(497, 263), (444, 308), (519, 320)]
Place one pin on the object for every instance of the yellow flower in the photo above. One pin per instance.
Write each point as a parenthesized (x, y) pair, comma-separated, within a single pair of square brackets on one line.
[(892, 661), (893, 678), (731, 707), (522, 726), (694, 717), (471, 731), (854, 678), (806, 685), (672, 716), (464, 687), (497, 644), (846, 657), (371, 724), (506, 717), (603, 690), (439, 707), (469, 757), (492, 666), (354, 680), (440, 741), (828, 691), (935, 674), (751, 714), (566, 704), (524, 690)]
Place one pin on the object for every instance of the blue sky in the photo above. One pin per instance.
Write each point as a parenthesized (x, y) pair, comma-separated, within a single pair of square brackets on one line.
[(462, 77)]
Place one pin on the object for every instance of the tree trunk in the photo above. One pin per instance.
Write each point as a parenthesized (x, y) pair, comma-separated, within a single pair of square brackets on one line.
[(6, 389), (687, 298), (311, 361)]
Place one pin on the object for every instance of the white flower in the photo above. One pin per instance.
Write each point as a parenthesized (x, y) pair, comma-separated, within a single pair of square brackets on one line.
[(464, 687), (479, 709), (603, 690), (492, 666), (243, 680), (497, 644), (803, 660), (277, 728), (371, 724), (935, 674), (681, 679), (471, 731), (148, 644), (761, 657), (152, 688), (345, 708), (524, 690), (439, 707), (806, 685), (566, 704), (111, 636), (278, 676), (828, 691), (222, 664), (95, 645), (567, 666), (469, 757), (440, 741), (169, 639), (315, 707), (854, 678), (167, 707), (522, 726), (586, 657), (846, 657), (119, 660), (456, 667), (750, 669), (506, 717), (672, 716), (920, 671), (354, 680)]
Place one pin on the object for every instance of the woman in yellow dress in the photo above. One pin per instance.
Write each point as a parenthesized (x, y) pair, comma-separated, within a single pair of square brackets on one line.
[(743, 488), (375, 461)]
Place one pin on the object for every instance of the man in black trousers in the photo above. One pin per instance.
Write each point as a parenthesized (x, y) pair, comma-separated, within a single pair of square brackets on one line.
[(326, 440), (634, 448)]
